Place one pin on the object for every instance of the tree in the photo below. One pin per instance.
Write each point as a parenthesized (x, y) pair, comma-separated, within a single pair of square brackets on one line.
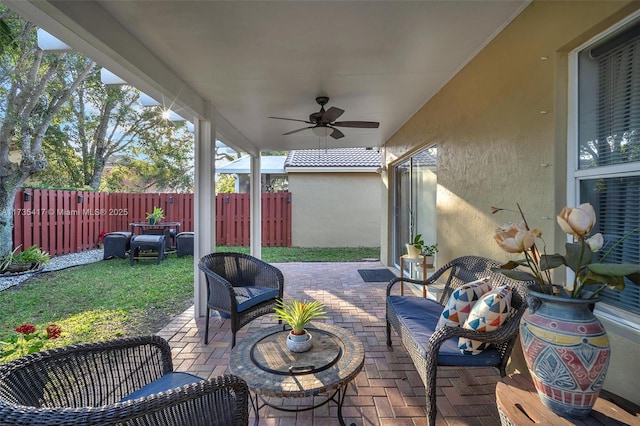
[(163, 158), (98, 123), (33, 91), (225, 184)]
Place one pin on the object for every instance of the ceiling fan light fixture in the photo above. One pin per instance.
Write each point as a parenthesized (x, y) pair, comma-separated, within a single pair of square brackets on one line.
[(322, 131)]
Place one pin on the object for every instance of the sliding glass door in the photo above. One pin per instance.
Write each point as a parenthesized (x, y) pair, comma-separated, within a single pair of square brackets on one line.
[(415, 184)]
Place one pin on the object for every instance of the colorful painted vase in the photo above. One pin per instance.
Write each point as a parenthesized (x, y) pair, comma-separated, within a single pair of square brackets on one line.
[(567, 352)]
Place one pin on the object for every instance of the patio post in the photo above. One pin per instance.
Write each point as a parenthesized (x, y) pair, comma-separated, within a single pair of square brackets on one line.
[(255, 201), (203, 203)]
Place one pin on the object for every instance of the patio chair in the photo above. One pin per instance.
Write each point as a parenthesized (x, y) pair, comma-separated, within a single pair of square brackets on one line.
[(414, 319), (127, 381), (240, 287)]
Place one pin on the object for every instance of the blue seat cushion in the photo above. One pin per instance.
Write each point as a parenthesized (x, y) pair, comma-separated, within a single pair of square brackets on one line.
[(250, 296), (169, 381), (420, 316)]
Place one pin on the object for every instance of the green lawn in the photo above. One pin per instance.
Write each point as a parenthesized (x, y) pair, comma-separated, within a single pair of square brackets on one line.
[(109, 299)]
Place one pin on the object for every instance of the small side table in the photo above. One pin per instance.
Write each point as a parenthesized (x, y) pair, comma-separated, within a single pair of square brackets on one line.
[(519, 405), (420, 260)]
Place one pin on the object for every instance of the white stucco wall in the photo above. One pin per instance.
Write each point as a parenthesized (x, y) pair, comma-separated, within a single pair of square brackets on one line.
[(335, 209), (501, 129)]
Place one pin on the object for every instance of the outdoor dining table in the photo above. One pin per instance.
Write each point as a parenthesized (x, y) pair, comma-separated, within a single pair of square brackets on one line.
[(167, 226), (147, 225)]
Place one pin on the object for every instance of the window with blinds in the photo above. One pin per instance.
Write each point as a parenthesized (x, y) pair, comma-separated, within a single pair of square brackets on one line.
[(617, 204), (608, 160)]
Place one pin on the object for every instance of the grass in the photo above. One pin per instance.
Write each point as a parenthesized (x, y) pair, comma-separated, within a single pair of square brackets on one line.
[(110, 299)]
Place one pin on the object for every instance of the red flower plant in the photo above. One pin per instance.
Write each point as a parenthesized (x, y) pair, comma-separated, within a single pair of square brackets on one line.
[(26, 329), (27, 341), (101, 236)]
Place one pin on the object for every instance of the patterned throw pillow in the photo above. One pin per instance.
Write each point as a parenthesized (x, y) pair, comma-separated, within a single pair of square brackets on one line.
[(461, 301), (488, 314)]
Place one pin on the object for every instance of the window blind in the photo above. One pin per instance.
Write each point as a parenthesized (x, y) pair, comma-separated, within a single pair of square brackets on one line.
[(614, 138), (617, 204)]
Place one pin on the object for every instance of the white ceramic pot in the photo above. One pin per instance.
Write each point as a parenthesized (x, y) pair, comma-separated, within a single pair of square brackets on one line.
[(299, 342), (412, 252)]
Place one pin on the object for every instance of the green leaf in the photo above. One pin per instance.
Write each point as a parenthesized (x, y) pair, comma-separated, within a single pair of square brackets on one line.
[(551, 261), (634, 278), (516, 274), (578, 255), (613, 269), (512, 264)]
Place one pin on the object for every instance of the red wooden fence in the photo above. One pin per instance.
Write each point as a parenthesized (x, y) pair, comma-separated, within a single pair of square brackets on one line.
[(63, 222)]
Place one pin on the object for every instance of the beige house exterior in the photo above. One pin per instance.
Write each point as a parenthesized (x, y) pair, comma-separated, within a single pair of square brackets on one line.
[(336, 194), (500, 127), (335, 209), (337, 197)]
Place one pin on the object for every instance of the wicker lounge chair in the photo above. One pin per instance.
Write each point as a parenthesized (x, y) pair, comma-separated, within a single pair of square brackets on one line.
[(127, 381), (240, 287), (414, 318)]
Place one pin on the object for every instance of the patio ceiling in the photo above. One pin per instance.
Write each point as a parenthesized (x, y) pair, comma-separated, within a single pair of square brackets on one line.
[(377, 60)]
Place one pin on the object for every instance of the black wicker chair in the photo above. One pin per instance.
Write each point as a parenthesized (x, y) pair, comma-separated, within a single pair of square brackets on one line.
[(106, 383), (240, 287), (424, 346)]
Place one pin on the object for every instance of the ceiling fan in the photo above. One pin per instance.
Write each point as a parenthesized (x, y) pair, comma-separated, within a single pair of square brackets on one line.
[(324, 124)]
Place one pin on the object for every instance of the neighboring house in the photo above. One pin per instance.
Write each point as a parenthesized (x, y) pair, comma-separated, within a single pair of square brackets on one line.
[(336, 197), (273, 175), (336, 193)]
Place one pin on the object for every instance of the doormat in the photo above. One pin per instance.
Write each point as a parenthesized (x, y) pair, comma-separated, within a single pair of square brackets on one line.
[(376, 275)]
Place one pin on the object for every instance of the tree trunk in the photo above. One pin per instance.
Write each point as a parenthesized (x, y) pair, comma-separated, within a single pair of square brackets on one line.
[(9, 185), (35, 92)]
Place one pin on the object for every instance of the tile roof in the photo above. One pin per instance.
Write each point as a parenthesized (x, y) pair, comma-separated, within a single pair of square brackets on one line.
[(335, 157)]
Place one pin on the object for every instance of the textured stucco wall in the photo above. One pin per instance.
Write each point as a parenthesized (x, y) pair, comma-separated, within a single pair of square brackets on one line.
[(336, 209), (501, 129), (495, 144)]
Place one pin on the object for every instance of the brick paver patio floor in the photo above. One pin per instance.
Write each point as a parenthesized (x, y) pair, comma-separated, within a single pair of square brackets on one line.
[(388, 391)]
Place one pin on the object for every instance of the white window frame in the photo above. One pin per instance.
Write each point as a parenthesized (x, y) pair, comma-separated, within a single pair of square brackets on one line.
[(627, 319)]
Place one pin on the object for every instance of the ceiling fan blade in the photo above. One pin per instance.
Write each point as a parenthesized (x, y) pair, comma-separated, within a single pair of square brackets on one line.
[(292, 119), (298, 130), (337, 134), (331, 114), (359, 124)]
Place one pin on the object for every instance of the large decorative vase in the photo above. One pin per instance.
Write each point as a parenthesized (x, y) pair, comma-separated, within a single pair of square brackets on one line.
[(299, 342), (567, 352)]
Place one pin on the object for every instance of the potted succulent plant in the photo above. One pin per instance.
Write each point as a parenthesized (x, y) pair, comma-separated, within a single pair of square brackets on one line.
[(155, 216), (297, 315)]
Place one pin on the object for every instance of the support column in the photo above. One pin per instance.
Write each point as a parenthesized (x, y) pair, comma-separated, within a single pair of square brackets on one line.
[(256, 206), (203, 205)]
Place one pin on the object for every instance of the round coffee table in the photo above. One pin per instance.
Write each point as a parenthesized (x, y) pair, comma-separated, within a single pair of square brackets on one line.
[(271, 370)]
